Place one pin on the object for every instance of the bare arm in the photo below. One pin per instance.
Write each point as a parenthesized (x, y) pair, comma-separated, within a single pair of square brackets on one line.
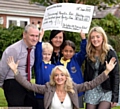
[(41, 35), (82, 35), (22, 80)]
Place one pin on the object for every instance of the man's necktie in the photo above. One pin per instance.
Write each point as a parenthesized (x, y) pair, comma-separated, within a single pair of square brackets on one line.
[(28, 63)]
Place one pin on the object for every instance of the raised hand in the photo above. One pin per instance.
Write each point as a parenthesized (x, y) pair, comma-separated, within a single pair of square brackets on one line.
[(41, 35), (82, 35), (110, 65), (11, 63)]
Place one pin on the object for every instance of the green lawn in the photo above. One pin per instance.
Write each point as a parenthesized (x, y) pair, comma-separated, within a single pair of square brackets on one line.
[(3, 102)]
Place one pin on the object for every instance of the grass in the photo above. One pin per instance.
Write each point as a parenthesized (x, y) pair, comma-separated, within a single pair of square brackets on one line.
[(3, 102)]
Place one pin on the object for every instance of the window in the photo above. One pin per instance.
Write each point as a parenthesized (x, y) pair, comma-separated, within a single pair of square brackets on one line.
[(17, 21), (12, 22), (23, 23)]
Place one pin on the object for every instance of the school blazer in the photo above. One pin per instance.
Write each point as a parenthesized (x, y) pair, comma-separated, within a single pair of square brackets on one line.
[(49, 90)]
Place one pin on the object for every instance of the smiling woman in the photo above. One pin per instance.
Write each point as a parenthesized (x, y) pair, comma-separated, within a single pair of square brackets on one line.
[(3, 102), (57, 38), (59, 77), (98, 52), (60, 90)]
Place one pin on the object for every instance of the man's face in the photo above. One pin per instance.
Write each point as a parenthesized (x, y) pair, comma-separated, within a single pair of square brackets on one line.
[(31, 37)]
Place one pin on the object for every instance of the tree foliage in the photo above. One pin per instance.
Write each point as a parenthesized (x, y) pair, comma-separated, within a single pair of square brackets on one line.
[(110, 24), (9, 36), (100, 3)]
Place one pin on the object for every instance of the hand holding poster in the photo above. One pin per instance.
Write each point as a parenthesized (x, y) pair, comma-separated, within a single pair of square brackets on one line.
[(68, 17)]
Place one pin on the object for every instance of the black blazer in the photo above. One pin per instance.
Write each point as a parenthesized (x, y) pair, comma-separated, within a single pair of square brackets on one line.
[(112, 83)]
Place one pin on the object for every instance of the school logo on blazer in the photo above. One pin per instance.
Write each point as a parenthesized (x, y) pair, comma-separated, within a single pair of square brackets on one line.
[(45, 67), (73, 70)]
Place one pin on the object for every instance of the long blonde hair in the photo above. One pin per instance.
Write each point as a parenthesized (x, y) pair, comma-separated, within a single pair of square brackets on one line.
[(90, 49), (68, 84)]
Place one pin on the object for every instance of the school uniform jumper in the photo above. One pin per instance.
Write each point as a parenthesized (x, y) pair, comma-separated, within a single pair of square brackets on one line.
[(74, 66), (42, 69)]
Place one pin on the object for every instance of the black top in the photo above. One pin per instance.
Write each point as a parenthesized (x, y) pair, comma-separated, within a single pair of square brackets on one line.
[(56, 58), (112, 83)]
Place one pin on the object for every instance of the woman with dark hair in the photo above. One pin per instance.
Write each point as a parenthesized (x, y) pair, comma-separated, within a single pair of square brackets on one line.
[(57, 38)]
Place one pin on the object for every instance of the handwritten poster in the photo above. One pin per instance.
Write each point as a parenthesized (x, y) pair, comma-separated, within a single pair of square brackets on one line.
[(68, 17)]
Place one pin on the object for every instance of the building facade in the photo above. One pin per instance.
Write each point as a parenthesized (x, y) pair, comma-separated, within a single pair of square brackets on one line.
[(20, 13)]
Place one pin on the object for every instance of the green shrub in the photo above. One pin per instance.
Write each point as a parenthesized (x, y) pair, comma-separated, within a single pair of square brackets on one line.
[(110, 24)]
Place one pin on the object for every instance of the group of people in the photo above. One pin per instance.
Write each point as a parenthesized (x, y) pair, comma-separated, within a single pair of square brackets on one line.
[(60, 83)]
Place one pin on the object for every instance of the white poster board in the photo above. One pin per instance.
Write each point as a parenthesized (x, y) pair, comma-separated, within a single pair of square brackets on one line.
[(68, 17)]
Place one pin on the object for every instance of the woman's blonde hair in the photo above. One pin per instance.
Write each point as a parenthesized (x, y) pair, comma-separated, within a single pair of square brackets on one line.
[(68, 83), (90, 49)]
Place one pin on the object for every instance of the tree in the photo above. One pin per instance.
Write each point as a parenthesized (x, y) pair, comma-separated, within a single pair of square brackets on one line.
[(9, 36), (89, 2)]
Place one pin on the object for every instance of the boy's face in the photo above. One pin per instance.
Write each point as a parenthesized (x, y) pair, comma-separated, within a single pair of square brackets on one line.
[(46, 55)]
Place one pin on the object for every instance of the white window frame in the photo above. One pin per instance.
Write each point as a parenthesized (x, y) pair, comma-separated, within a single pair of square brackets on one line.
[(18, 19)]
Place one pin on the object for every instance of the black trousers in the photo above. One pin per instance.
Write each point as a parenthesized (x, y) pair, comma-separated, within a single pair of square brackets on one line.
[(17, 96), (40, 103)]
